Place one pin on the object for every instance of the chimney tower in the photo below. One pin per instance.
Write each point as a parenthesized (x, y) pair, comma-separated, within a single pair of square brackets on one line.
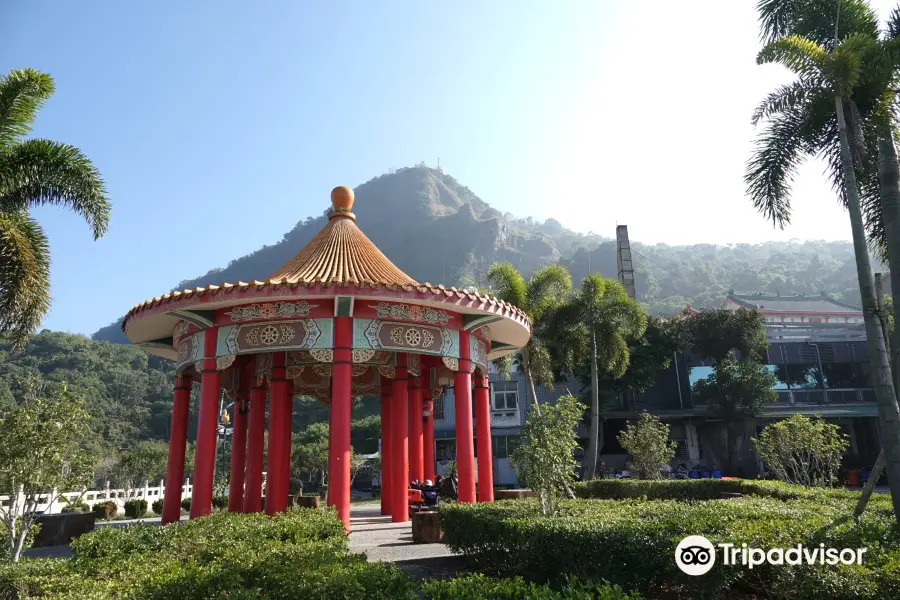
[(623, 260)]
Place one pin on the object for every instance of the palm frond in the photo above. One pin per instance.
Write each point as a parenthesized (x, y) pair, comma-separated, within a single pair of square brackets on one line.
[(547, 288), (804, 57), (22, 92), (893, 23), (508, 285), (37, 171), (784, 98), (815, 19), (24, 276), (777, 153)]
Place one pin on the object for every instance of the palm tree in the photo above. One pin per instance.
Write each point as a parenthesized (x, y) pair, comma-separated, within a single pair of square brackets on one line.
[(546, 290), (871, 115), (35, 172), (799, 123), (601, 318)]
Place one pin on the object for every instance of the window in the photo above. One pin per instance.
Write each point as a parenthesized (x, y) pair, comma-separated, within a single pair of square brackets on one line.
[(445, 450), (780, 373), (803, 376), (840, 375), (439, 407), (698, 373), (815, 319), (505, 394), (504, 445)]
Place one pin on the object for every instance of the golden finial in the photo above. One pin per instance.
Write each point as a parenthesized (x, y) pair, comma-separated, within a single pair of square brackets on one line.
[(342, 199)]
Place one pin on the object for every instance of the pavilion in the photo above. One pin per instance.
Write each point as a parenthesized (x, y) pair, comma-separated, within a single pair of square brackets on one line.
[(338, 320)]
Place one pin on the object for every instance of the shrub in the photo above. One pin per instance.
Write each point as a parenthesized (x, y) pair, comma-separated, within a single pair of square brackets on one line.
[(77, 506), (297, 554), (186, 504), (220, 502), (135, 509), (648, 443), (631, 543), (699, 489), (106, 510), (157, 506), (479, 587), (544, 460), (802, 450)]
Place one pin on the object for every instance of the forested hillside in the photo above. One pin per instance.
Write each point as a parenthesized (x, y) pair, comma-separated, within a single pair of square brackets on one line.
[(457, 236), (128, 392)]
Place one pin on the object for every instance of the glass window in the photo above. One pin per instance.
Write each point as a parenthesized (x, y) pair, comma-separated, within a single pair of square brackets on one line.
[(840, 375), (698, 373), (445, 449), (803, 376), (499, 447), (780, 373), (505, 395), (512, 442), (439, 407)]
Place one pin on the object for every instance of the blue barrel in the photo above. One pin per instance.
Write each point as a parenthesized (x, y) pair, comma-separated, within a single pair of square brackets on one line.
[(717, 474), (704, 475), (694, 475)]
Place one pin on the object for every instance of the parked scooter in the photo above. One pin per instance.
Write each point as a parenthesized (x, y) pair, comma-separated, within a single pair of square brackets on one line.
[(422, 495)]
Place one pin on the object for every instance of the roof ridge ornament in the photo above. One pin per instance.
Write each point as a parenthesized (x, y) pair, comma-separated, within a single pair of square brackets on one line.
[(342, 199)]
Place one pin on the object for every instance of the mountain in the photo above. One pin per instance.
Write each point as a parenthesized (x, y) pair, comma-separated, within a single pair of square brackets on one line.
[(457, 236)]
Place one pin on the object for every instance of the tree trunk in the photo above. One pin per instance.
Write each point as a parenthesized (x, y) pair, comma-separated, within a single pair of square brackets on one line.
[(530, 392), (889, 190), (878, 467), (590, 456), (888, 411)]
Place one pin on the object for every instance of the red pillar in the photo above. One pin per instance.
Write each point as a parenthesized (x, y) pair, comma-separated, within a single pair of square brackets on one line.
[(181, 400), (286, 446), (339, 421), (416, 469), (399, 448), (428, 433), (483, 435), (465, 445), (276, 490), (238, 457), (386, 448), (207, 423), (255, 450)]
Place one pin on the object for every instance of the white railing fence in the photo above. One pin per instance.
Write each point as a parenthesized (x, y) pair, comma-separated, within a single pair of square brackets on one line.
[(92, 497)]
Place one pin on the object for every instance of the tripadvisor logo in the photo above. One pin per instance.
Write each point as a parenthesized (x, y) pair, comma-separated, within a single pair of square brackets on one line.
[(696, 555)]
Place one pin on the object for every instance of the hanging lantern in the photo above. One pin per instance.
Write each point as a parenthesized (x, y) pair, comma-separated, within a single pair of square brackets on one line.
[(225, 419)]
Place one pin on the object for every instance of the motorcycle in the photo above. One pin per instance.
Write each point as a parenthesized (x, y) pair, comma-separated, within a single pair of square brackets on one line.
[(422, 496)]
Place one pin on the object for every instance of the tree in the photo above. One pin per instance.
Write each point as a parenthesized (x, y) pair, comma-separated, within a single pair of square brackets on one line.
[(545, 459), (734, 390), (546, 290), (602, 318), (310, 451), (718, 334), (35, 172), (41, 455), (846, 73), (146, 461), (802, 450), (647, 441)]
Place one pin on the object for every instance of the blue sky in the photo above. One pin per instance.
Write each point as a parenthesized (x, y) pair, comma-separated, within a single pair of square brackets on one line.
[(218, 125)]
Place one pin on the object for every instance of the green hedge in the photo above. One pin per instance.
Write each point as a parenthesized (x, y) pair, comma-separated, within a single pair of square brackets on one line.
[(699, 489), (298, 554), (632, 542), (157, 506), (479, 587), (135, 509)]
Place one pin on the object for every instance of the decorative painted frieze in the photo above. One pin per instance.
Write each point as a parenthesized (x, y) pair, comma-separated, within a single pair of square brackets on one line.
[(269, 310), (275, 335), (411, 312), (374, 334)]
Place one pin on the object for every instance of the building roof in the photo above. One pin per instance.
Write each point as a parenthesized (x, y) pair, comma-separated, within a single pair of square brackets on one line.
[(797, 304), (341, 254)]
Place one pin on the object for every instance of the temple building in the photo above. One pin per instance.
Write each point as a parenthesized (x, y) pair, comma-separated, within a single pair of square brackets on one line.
[(338, 320)]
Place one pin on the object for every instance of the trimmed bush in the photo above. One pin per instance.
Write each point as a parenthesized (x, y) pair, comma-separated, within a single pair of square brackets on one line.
[(298, 554), (106, 510), (157, 506), (135, 509), (479, 587), (186, 504), (699, 489), (220, 502), (632, 542)]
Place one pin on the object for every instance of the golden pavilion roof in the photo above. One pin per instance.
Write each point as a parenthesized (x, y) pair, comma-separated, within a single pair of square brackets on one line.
[(341, 254)]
